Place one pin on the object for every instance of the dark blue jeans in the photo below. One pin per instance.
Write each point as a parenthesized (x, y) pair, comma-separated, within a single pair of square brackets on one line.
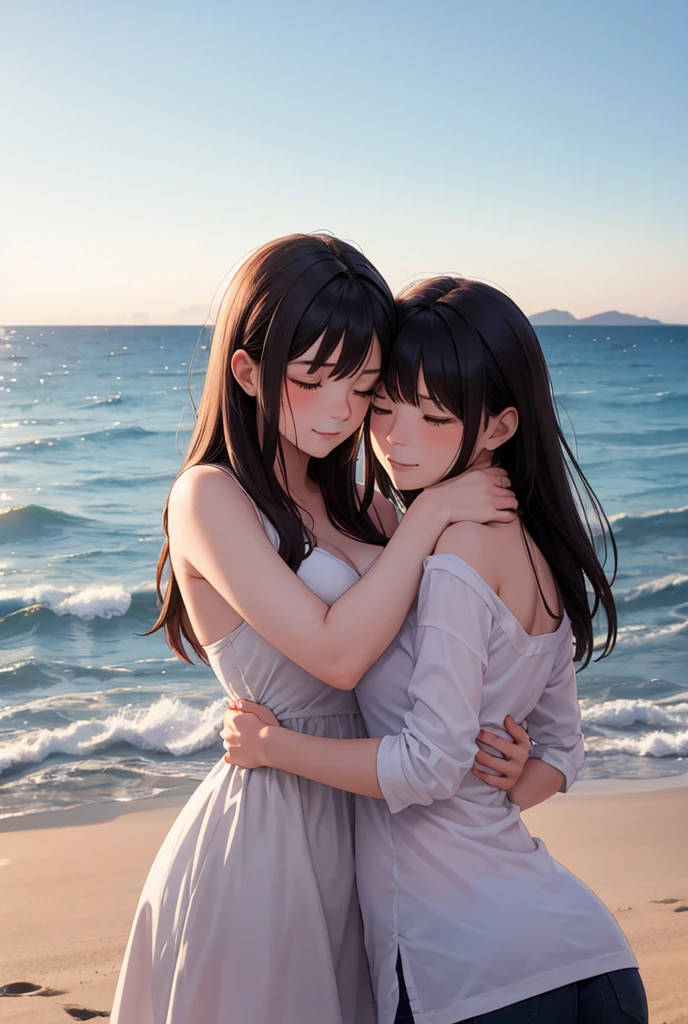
[(614, 998)]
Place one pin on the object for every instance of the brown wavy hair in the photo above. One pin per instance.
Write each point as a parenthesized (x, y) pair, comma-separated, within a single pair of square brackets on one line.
[(287, 295)]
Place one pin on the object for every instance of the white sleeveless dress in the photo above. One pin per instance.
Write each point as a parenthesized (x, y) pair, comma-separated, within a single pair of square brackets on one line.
[(250, 913)]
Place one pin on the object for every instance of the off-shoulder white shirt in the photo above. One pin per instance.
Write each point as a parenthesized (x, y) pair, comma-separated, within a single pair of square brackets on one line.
[(447, 872)]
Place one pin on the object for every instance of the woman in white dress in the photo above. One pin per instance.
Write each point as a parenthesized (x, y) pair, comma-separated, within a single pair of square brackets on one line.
[(274, 562), (467, 917)]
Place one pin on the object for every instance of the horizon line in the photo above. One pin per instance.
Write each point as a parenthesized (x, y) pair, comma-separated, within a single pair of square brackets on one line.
[(661, 323)]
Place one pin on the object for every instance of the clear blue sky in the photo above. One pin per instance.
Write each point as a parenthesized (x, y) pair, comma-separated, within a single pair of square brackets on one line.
[(149, 146)]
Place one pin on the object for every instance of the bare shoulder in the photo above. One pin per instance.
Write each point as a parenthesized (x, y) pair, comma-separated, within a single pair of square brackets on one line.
[(208, 511), (383, 511), (199, 489), (478, 544)]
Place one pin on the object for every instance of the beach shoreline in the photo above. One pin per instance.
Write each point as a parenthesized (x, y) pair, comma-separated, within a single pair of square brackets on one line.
[(70, 881), (175, 797)]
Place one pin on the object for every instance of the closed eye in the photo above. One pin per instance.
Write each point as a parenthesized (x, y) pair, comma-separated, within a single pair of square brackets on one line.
[(380, 411), (313, 385), (436, 421)]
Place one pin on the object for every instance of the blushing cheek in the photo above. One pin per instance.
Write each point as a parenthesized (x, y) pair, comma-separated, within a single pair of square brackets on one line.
[(438, 449), (297, 411), (447, 446)]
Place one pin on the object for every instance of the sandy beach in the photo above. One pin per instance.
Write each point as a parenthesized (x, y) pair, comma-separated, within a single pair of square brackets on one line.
[(69, 883)]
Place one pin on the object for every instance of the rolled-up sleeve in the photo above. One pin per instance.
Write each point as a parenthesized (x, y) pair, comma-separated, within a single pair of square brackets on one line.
[(554, 724), (428, 760)]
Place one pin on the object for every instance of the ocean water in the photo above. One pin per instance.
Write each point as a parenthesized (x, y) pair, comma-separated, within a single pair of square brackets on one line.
[(93, 426)]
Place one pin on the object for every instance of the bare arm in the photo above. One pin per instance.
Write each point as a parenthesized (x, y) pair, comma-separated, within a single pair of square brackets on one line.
[(342, 764), (426, 762), (432, 755), (255, 739), (538, 783), (352, 764), (216, 534)]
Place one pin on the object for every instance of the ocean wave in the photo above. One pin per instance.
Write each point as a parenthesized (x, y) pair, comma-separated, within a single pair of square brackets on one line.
[(168, 726), (668, 590), (661, 401), (24, 522), (130, 481), (69, 703), (653, 744), (650, 438), (32, 673), (639, 633), (664, 399), (59, 785), (89, 555), (119, 433), (622, 713), (94, 601), (651, 525)]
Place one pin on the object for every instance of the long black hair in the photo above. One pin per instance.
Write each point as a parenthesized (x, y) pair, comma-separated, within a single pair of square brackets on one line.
[(286, 296), (480, 355)]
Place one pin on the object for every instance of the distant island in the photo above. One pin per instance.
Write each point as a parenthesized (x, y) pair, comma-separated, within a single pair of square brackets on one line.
[(562, 318)]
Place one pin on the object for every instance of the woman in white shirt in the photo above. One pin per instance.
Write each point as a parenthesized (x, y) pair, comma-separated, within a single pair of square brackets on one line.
[(467, 917)]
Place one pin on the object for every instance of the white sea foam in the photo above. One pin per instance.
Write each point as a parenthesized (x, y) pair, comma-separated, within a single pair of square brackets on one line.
[(652, 744), (668, 719), (619, 714), (168, 726), (673, 579), (97, 600), (654, 513), (640, 634), (148, 587)]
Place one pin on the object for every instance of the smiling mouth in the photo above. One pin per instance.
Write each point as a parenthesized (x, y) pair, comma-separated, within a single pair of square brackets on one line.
[(401, 465), (321, 433)]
